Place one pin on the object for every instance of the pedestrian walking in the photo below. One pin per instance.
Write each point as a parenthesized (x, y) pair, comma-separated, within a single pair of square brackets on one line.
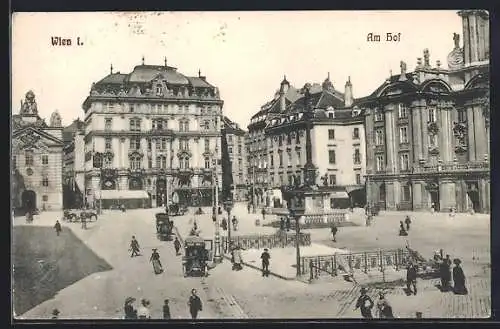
[(334, 232), (384, 308), (58, 227), (166, 310), (155, 260), (143, 312), (263, 213), (128, 309), (177, 246), (234, 221), (134, 247), (55, 314), (445, 273), (282, 224), (288, 223), (365, 304), (459, 287), (224, 224), (237, 259), (411, 279), (407, 222), (248, 207), (265, 257), (194, 304)]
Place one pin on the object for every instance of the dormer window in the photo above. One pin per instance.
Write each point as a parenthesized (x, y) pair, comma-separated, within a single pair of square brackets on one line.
[(159, 89)]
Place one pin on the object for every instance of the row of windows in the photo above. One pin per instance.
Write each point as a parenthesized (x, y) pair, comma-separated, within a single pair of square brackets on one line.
[(403, 137), (356, 157), (161, 162), (158, 124), (404, 162), (29, 159), (161, 144), (156, 108), (431, 114), (331, 134), (230, 149)]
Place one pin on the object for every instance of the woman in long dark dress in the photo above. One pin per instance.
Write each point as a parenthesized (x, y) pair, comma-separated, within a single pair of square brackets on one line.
[(459, 287), (130, 312), (155, 259)]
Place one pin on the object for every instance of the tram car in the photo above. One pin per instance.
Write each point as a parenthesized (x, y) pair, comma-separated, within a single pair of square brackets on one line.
[(164, 227), (196, 256)]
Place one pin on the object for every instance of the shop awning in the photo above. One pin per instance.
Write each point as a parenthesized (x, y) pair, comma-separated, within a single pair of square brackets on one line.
[(339, 195), (122, 194)]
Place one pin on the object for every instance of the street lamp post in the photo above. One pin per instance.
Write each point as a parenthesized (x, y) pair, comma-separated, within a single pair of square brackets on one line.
[(228, 206), (217, 249)]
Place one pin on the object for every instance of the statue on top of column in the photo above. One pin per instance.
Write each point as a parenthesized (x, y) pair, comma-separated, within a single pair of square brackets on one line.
[(29, 104), (426, 58)]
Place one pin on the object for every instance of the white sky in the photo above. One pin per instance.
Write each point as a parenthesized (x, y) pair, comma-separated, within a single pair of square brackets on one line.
[(245, 54)]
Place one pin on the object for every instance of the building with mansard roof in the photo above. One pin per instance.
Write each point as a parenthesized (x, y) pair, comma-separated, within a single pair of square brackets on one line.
[(151, 136), (337, 137), (427, 131), (36, 159)]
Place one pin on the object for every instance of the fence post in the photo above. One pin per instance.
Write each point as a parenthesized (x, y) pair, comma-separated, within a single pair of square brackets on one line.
[(366, 262), (318, 267), (396, 260), (381, 261), (310, 270), (335, 264)]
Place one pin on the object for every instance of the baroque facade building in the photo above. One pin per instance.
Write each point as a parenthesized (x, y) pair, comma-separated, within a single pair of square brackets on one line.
[(235, 137), (428, 131), (152, 136), (36, 159)]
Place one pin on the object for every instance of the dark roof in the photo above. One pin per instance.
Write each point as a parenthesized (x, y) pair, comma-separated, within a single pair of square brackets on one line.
[(392, 79), (231, 127), (322, 100), (198, 82), (69, 131), (146, 73), (114, 78)]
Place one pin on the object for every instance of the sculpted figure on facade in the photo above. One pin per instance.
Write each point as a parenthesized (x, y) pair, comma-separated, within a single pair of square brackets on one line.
[(55, 119), (29, 105)]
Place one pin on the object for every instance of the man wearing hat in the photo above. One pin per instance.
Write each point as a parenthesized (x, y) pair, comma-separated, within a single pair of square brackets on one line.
[(265, 262), (130, 312), (166, 310), (194, 304), (55, 314), (411, 278), (384, 308), (143, 311), (365, 304)]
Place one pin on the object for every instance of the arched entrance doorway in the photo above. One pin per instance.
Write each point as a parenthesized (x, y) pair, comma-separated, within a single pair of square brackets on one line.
[(28, 200), (382, 196), (473, 194)]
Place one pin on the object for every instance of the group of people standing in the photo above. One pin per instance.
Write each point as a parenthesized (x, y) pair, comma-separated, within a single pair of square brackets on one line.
[(365, 304), (143, 312), (447, 274), (404, 227)]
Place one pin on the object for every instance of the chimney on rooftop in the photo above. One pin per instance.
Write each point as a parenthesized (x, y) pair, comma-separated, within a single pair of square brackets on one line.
[(348, 99)]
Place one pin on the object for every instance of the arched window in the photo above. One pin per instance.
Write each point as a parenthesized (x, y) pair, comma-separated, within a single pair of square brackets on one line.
[(135, 162), (158, 89), (184, 163), (207, 162), (164, 162), (28, 156)]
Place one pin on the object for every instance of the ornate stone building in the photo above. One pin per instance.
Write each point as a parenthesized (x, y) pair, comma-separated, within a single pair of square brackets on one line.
[(428, 131), (236, 149), (256, 145), (36, 159), (337, 136), (151, 136)]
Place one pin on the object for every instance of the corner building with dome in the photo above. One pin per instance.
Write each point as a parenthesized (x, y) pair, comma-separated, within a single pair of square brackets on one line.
[(427, 131), (151, 136)]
